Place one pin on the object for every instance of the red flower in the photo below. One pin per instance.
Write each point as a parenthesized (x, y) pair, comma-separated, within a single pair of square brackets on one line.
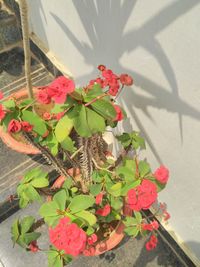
[(104, 211), (100, 82), (59, 115), (125, 79), (166, 215), (150, 226), (43, 96), (113, 90), (33, 246), (146, 196), (89, 252), (107, 74), (101, 67), (99, 198), (132, 197), (26, 126), (152, 243), (162, 174), (92, 239), (1, 95), (59, 89), (119, 115), (68, 237), (2, 112), (46, 116), (14, 126)]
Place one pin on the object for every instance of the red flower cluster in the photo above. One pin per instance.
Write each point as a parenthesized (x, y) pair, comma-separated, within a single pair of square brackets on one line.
[(2, 112), (57, 90), (150, 226), (152, 243), (15, 126), (143, 196), (104, 211), (68, 237), (92, 239), (162, 174), (111, 80)]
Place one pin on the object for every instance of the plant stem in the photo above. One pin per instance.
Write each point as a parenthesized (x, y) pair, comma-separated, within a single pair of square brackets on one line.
[(95, 99), (25, 32)]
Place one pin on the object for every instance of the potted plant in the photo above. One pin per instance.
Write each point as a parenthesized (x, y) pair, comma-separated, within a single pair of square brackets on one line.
[(97, 198)]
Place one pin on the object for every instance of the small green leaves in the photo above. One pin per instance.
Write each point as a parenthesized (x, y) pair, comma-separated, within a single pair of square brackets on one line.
[(63, 128), (115, 190), (95, 189), (104, 108), (86, 121), (144, 168), (96, 91), (26, 191), (81, 202), (54, 258), (39, 125), (87, 216), (132, 226), (21, 232), (9, 104), (127, 170), (132, 138), (68, 144)]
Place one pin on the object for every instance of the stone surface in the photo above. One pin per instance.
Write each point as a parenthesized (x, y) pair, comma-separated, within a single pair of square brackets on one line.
[(130, 253)]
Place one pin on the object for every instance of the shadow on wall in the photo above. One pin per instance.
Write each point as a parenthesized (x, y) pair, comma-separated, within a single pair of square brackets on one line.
[(104, 22)]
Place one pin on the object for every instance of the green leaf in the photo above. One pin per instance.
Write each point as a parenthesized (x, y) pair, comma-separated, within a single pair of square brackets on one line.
[(63, 128), (87, 216), (26, 224), (93, 93), (81, 202), (68, 183), (60, 198), (137, 141), (132, 231), (159, 186), (125, 139), (115, 190), (144, 168), (138, 216), (25, 103), (29, 237), (90, 230), (97, 177), (49, 209), (39, 125), (95, 189), (40, 182), (130, 221), (23, 202), (80, 121), (104, 108), (68, 144), (9, 104), (96, 122), (116, 203), (32, 193), (15, 230), (32, 174), (127, 170), (52, 255), (128, 186)]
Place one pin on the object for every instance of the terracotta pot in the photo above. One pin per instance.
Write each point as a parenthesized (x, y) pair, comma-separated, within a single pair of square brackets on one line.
[(117, 234), (16, 141)]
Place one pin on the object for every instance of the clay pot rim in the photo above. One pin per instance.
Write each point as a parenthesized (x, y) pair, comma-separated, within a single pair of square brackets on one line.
[(9, 140)]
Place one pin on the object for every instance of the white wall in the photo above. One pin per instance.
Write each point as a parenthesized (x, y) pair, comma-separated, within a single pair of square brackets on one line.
[(158, 43)]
